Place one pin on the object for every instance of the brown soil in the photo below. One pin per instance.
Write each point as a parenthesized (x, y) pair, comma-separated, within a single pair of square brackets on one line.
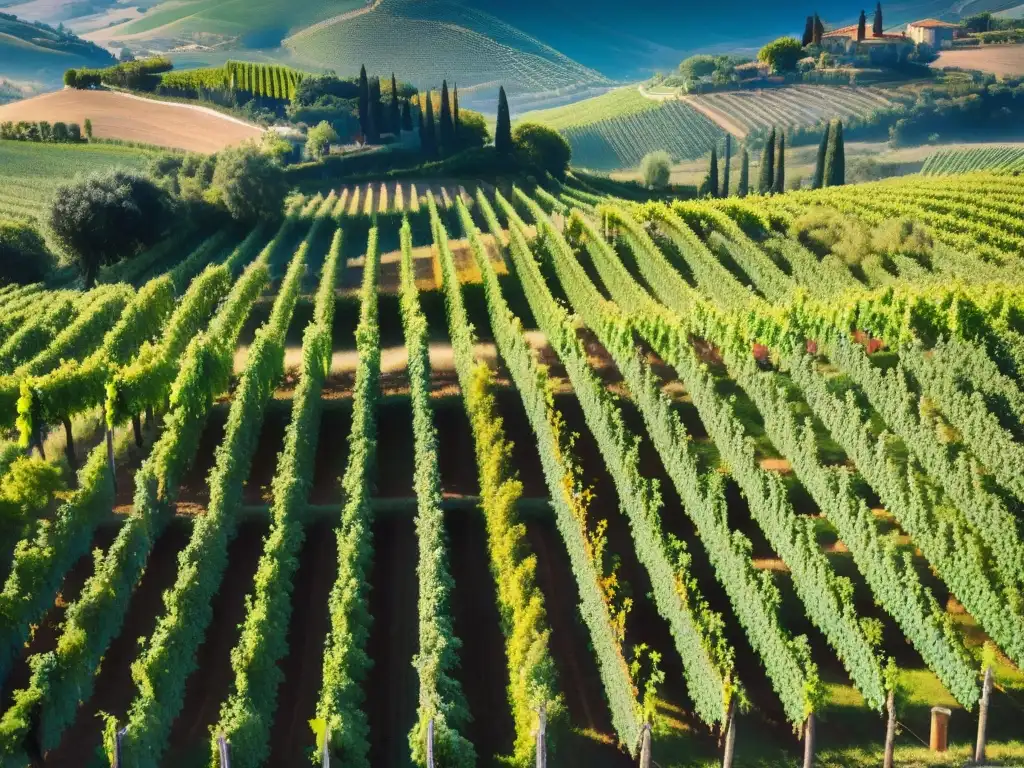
[(484, 667), (395, 451), (194, 488), (264, 462), (120, 116), (302, 667), (208, 686), (47, 633), (1003, 60), (114, 688), (392, 686), (331, 454)]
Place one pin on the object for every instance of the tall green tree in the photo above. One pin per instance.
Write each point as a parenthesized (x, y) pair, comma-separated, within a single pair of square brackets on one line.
[(862, 23), (835, 156), (725, 166), (780, 164), (766, 175), (819, 167), (503, 128), (424, 139), (447, 125), (743, 188), (808, 36), (396, 112), (712, 184), (428, 123), (406, 116), (876, 27), (364, 102), (819, 30), (375, 121), (455, 112)]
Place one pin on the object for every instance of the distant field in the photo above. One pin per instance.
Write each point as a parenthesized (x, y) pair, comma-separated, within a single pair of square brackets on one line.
[(1006, 159), (739, 112), (617, 129), (33, 53), (31, 172), (118, 116), (998, 59)]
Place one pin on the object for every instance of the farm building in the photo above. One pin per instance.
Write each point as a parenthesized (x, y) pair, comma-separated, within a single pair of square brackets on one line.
[(937, 34), (879, 48)]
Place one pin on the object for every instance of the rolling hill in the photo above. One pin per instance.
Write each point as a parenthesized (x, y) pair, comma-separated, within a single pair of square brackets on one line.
[(545, 53), (35, 52)]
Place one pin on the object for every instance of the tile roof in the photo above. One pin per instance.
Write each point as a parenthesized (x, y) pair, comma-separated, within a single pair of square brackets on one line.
[(933, 24)]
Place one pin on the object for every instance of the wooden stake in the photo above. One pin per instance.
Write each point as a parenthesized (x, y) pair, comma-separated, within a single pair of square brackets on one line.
[(939, 736), (730, 735), (645, 747), (110, 457), (69, 440), (225, 751), (890, 730), (542, 727), (809, 742), (986, 695)]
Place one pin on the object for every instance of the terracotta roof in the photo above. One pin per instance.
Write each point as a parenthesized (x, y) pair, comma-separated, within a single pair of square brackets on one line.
[(850, 31), (933, 24)]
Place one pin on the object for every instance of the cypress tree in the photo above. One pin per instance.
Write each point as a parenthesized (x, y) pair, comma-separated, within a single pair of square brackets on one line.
[(424, 140), (725, 166), (447, 126), (364, 102), (862, 27), (808, 37), (713, 173), (819, 30), (819, 167), (428, 124), (503, 129), (876, 28), (835, 156), (744, 186), (374, 123), (396, 113), (455, 111), (766, 176), (406, 116), (780, 164)]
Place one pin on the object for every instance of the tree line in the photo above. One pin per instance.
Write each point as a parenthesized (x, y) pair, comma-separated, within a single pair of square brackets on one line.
[(45, 132)]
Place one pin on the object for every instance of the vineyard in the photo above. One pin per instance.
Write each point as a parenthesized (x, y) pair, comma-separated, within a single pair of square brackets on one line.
[(450, 470), (269, 81), (1001, 160), (617, 129), (800, 105)]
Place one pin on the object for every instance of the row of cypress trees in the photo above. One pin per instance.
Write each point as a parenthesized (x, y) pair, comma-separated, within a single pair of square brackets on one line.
[(376, 119), (829, 169), (814, 29), (440, 136)]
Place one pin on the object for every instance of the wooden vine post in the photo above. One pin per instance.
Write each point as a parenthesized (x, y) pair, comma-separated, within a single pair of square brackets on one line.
[(809, 741), (110, 457), (430, 744), (986, 695), (645, 746), (225, 751), (938, 737), (118, 737), (890, 730), (542, 747), (730, 735)]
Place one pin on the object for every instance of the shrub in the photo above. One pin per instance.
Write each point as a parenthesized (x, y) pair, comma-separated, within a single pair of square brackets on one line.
[(24, 257), (106, 217), (782, 54), (656, 167), (542, 147), (319, 138), (249, 184)]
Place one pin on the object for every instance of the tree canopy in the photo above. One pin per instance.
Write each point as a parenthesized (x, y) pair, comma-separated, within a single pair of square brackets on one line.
[(544, 148), (24, 257), (782, 54)]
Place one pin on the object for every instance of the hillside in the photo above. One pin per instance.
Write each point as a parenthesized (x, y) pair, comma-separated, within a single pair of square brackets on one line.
[(131, 118), (37, 53)]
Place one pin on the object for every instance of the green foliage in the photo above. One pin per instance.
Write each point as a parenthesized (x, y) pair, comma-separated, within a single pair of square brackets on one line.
[(766, 173), (319, 138), (249, 184), (107, 217), (247, 715), (346, 658), (781, 54), (655, 169), (24, 257), (835, 156), (543, 148), (503, 129)]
